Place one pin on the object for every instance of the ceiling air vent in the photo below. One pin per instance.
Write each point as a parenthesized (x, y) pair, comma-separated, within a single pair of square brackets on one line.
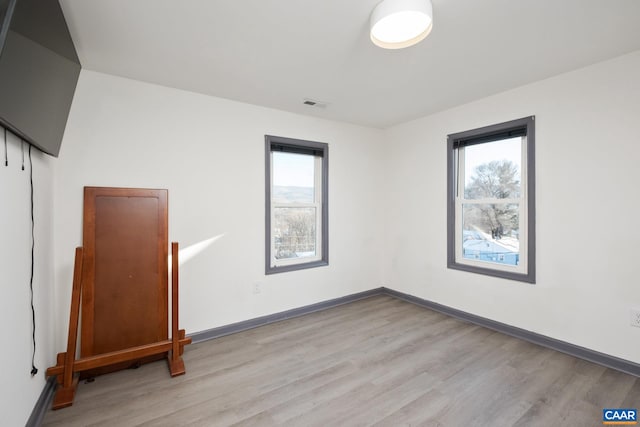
[(314, 103)]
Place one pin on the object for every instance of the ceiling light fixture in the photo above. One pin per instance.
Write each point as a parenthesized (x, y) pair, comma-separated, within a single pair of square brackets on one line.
[(396, 24)]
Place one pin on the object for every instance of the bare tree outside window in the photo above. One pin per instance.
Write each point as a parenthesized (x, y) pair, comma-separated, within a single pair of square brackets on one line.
[(494, 180), (295, 232)]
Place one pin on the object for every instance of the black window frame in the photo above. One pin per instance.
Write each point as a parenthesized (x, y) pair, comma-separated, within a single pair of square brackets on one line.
[(298, 146), (519, 127)]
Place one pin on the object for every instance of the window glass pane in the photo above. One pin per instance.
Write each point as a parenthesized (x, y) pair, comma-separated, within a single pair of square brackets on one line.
[(490, 232), (492, 170), (293, 178), (294, 232)]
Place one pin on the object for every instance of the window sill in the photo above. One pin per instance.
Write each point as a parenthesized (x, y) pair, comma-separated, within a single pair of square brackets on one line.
[(293, 267)]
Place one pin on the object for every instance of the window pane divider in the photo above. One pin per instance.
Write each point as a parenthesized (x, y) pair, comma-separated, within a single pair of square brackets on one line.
[(491, 201), (296, 205)]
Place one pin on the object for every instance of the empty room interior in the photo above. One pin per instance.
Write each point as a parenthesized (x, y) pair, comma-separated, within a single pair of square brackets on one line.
[(430, 227)]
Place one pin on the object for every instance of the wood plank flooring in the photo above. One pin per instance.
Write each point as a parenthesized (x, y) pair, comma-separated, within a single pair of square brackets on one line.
[(378, 361)]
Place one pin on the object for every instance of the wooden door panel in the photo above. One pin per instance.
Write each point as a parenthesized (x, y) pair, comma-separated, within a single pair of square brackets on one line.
[(125, 269)]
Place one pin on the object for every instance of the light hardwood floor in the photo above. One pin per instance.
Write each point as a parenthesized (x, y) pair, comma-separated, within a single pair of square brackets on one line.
[(378, 361)]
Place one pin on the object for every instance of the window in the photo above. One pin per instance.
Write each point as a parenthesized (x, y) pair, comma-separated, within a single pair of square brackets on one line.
[(296, 204), (491, 200)]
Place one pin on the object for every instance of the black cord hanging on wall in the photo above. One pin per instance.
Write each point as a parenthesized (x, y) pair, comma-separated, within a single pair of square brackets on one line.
[(34, 370)]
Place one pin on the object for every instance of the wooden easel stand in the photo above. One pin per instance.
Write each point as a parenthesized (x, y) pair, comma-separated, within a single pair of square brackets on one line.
[(67, 366)]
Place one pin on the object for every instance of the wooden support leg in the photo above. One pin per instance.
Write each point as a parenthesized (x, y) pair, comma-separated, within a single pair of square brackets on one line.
[(176, 364), (64, 395), (182, 335), (67, 389), (176, 367)]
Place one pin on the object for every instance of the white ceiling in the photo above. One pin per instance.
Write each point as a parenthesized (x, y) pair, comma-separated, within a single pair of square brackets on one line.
[(276, 53)]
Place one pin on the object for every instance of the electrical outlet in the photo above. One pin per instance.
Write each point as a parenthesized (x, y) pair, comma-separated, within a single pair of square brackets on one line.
[(634, 314), (257, 287)]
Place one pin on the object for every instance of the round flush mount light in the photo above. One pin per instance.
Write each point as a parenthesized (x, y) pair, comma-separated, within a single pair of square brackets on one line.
[(396, 24)]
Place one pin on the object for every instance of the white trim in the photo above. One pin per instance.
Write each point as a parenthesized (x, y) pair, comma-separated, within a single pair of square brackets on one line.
[(317, 205), (460, 180)]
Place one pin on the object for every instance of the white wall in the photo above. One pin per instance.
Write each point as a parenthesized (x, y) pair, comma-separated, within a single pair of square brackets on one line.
[(18, 390), (209, 153), (588, 149)]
